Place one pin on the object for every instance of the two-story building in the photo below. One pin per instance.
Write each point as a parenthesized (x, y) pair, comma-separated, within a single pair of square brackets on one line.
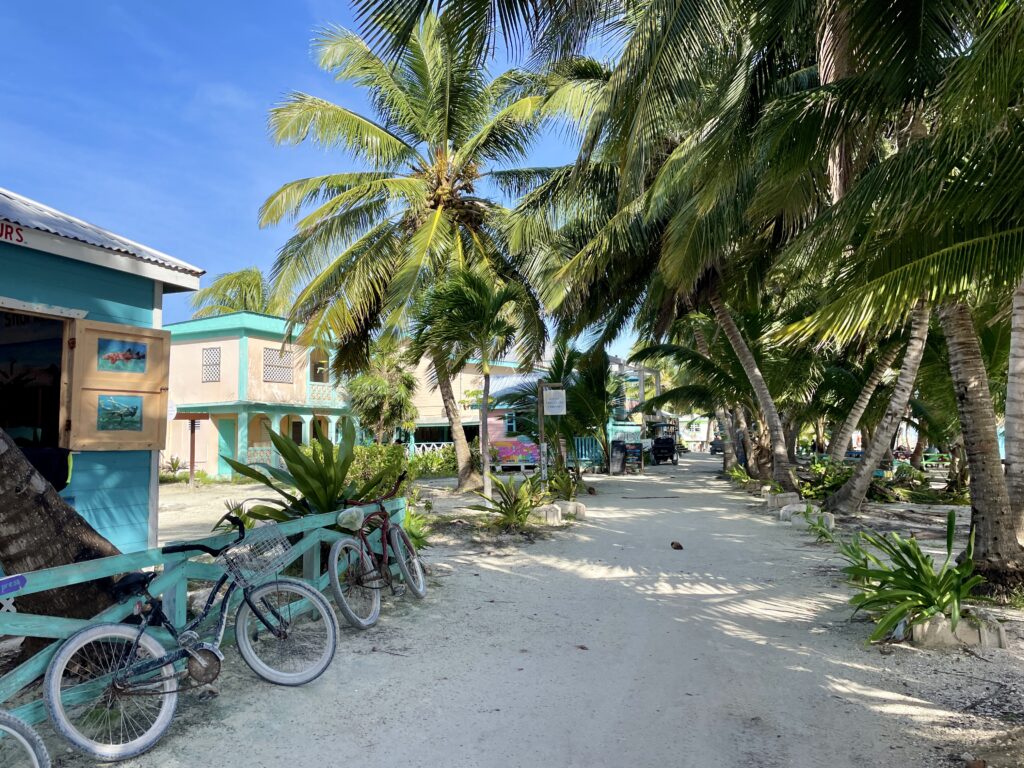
[(236, 376)]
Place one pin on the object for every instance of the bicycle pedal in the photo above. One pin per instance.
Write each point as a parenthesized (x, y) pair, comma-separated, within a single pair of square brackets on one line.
[(397, 590)]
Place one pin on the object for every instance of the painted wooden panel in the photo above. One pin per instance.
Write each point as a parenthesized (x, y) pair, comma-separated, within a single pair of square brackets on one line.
[(111, 490), (107, 295)]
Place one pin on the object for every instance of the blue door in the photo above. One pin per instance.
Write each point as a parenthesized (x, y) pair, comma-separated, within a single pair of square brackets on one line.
[(227, 444)]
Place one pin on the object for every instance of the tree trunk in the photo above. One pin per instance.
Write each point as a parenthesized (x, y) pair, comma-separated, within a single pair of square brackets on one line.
[(38, 529), (726, 430), (485, 453), (851, 495), (918, 455), (468, 478), (792, 439), (743, 439), (996, 533), (1014, 436), (834, 63), (841, 439), (782, 472)]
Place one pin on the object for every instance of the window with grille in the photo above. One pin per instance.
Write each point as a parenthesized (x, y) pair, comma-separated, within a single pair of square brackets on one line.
[(277, 365), (211, 364), (510, 422), (319, 369)]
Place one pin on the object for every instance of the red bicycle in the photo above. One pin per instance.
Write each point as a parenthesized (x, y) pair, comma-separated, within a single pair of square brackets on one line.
[(360, 567)]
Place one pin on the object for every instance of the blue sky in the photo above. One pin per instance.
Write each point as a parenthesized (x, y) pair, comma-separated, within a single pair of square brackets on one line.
[(149, 119)]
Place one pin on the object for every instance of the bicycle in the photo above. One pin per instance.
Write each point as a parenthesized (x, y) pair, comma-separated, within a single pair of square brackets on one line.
[(112, 689), (20, 745), (358, 572)]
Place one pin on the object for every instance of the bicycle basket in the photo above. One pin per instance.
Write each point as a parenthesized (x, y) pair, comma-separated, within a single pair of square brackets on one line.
[(263, 552)]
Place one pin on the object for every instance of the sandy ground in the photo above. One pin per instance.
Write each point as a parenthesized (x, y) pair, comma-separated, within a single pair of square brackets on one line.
[(600, 645)]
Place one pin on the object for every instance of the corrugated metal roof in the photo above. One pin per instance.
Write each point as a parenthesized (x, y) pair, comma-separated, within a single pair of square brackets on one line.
[(34, 215)]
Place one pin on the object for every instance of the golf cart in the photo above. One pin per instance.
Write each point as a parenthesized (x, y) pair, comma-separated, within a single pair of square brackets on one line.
[(663, 445)]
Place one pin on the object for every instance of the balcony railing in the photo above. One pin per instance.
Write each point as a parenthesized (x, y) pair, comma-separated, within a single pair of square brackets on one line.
[(325, 394)]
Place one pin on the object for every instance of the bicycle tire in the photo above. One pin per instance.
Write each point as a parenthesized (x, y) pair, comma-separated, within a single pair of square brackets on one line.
[(97, 647), (20, 745), (408, 562), (359, 605), (250, 632)]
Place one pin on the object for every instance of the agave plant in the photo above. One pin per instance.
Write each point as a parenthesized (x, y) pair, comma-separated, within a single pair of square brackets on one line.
[(512, 503), (899, 583), (310, 484)]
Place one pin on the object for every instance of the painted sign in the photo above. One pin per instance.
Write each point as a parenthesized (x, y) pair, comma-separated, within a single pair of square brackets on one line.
[(119, 413), (11, 584), (12, 233), (554, 402), (515, 452), (121, 356)]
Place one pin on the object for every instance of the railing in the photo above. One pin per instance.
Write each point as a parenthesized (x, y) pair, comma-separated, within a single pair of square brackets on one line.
[(421, 448), (324, 394), (16, 691), (263, 454)]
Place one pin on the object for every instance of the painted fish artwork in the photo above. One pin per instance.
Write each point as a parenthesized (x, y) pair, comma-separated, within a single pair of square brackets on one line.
[(119, 413), (121, 356)]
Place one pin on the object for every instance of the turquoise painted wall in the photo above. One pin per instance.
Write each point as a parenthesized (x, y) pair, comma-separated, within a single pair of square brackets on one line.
[(110, 489)]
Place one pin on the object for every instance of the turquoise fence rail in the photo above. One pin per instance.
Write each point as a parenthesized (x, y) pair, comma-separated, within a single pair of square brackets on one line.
[(172, 585)]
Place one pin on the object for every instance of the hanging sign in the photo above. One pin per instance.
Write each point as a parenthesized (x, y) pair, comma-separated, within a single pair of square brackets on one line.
[(554, 402)]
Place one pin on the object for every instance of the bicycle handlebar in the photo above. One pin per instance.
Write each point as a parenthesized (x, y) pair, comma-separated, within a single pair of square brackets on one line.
[(233, 519)]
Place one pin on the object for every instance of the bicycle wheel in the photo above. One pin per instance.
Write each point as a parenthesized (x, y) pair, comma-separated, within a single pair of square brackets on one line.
[(349, 569), (310, 632), (408, 562), (103, 718), (20, 745)]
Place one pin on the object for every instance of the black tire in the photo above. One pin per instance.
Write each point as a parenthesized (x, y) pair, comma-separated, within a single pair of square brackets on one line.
[(20, 745), (88, 723), (408, 562), (308, 647), (348, 566)]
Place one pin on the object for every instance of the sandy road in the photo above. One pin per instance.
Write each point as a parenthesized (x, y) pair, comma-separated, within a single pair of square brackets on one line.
[(600, 646)]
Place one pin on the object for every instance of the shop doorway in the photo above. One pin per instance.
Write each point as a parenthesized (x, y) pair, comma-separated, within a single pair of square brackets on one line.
[(31, 366)]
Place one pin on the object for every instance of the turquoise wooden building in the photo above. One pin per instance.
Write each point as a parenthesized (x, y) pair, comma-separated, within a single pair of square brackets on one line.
[(83, 359)]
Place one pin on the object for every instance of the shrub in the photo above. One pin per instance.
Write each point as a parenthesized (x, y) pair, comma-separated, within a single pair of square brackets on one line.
[(737, 474), (439, 463), (510, 502), (564, 485), (826, 478), (418, 528), (899, 583)]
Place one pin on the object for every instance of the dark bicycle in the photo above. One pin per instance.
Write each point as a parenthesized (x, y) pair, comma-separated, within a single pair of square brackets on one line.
[(112, 689), (359, 569)]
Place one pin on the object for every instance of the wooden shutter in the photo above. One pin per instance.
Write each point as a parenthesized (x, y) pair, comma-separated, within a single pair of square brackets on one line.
[(116, 387)]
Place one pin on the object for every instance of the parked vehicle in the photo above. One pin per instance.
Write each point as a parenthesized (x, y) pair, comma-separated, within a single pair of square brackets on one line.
[(358, 568), (717, 446), (20, 745), (111, 689), (664, 449)]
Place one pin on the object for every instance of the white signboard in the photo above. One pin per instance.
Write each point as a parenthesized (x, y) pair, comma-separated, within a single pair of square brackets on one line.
[(172, 410), (554, 402)]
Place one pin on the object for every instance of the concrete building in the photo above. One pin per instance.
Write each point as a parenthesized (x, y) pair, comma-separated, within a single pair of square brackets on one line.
[(234, 377)]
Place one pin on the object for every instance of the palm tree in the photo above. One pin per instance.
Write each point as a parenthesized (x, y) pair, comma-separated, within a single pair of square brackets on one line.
[(246, 290), (368, 242), (382, 394), (469, 316)]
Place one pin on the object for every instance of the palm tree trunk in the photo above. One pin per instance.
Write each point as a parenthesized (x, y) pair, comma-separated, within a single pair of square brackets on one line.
[(996, 533), (918, 454), (38, 529), (841, 441), (468, 478), (851, 495), (782, 472), (743, 435), (728, 448), (1015, 411), (485, 454)]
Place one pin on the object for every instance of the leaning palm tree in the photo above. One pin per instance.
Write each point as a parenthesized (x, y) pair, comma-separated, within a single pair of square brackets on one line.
[(368, 242), (247, 290), (468, 317)]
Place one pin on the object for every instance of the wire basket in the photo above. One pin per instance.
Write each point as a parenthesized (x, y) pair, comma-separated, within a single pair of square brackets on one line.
[(263, 552)]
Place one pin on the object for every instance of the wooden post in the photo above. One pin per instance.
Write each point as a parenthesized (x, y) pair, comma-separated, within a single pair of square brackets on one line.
[(192, 453), (540, 432)]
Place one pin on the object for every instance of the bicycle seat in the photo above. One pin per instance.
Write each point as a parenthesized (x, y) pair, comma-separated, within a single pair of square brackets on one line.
[(351, 519), (132, 584)]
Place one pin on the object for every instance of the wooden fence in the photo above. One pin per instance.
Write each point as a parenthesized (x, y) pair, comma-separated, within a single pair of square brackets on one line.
[(172, 583)]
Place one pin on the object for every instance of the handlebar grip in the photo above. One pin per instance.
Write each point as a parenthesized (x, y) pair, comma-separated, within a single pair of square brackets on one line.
[(170, 549), (237, 522)]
